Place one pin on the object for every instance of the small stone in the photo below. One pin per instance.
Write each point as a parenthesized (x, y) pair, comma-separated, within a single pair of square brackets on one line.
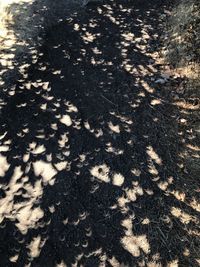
[(66, 120)]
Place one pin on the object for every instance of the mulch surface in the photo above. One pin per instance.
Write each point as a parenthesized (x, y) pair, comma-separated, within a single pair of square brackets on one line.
[(103, 98)]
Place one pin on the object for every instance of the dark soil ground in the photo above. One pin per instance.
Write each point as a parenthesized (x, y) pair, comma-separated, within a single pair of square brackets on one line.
[(93, 146)]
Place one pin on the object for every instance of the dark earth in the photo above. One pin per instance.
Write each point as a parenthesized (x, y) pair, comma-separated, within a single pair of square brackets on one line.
[(91, 148)]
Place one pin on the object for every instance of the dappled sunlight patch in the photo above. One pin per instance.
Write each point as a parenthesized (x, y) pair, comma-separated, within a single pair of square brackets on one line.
[(37, 149), (149, 191), (129, 195), (26, 216), (151, 264), (174, 263), (62, 264), (136, 172), (153, 170), (145, 221), (88, 37), (151, 70), (14, 258), (56, 72), (96, 51), (134, 244), (186, 252), (147, 88), (101, 172), (63, 165), (54, 126), (163, 185), (193, 147), (76, 27), (111, 149), (52, 209), (128, 225), (122, 203), (35, 247), (113, 19), (4, 165), (145, 34), (6, 203), (133, 192), (63, 140), (186, 105), (65, 119), (117, 179), (114, 128), (124, 119), (155, 102), (198, 261), (93, 23), (97, 62), (184, 217), (179, 195), (88, 127), (98, 132), (128, 36), (195, 204), (44, 169), (153, 155), (115, 263)]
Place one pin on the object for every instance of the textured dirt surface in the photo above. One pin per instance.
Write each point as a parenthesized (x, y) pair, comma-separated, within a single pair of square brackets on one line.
[(93, 141)]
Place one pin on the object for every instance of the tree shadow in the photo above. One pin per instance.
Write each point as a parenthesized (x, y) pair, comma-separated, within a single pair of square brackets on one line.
[(23, 24), (91, 149)]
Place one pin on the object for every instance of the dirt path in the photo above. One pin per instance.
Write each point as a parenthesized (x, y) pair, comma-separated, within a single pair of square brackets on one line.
[(90, 158)]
